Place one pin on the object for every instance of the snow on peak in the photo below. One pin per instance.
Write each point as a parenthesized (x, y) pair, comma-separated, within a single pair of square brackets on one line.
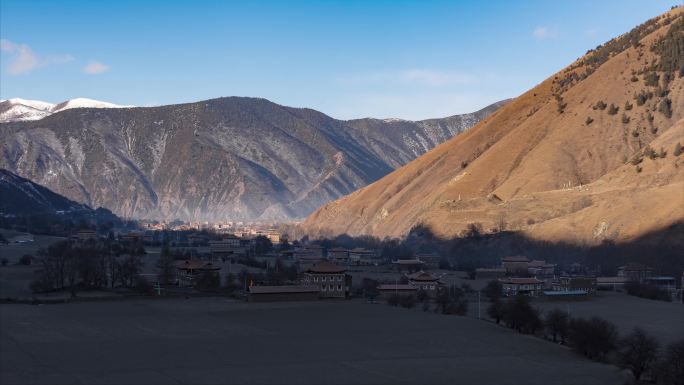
[(17, 109), (85, 103)]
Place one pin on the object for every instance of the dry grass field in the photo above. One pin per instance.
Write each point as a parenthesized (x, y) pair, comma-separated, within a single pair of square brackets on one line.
[(213, 340)]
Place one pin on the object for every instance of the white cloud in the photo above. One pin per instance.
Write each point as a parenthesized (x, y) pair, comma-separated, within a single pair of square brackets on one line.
[(413, 76), (95, 67), (544, 32), (22, 59)]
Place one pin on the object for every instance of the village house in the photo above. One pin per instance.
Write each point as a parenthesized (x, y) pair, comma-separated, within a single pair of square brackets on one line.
[(515, 265), (430, 260), (187, 271), (611, 283), (389, 290), (428, 282), (408, 264), (361, 256), (228, 246), (338, 255), (575, 283), (531, 287), (541, 269), (662, 283), (329, 277), (283, 293), (635, 272)]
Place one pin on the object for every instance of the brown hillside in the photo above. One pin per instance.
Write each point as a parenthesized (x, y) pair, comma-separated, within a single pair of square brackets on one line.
[(554, 163)]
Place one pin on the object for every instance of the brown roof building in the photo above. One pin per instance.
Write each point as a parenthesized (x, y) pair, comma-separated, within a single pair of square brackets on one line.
[(331, 279)]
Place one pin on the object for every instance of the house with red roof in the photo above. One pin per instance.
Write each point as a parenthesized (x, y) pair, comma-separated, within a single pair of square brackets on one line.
[(531, 287), (331, 278)]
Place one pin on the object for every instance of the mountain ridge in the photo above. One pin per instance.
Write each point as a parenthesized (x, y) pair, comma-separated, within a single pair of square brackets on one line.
[(220, 159), (556, 162)]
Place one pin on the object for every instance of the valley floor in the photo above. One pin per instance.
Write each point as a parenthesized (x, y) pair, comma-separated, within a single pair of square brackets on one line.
[(214, 340)]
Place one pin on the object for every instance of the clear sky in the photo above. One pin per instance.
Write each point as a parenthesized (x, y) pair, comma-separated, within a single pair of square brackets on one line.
[(349, 59)]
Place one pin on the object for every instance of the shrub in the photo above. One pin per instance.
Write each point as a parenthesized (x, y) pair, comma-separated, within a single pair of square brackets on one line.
[(642, 97), (635, 133), (661, 92), (628, 106), (677, 149), (662, 153), (636, 159), (665, 107), (650, 153), (600, 105), (638, 169), (650, 117), (593, 338), (634, 79), (588, 121), (556, 323), (625, 118), (613, 109), (651, 79), (521, 316)]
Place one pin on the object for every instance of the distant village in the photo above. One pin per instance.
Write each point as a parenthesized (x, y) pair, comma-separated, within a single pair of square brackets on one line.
[(203, 249)]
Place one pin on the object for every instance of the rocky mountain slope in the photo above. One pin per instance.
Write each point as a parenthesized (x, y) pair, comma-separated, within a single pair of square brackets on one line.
[(19, 196), (16, 109), (228, 158), (590, 154)]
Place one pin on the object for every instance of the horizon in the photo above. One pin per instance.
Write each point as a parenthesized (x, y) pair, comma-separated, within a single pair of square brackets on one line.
[(403, 49)]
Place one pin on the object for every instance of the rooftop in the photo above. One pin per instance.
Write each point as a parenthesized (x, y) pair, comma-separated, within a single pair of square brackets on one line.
[(515, 258), (396, 287), (326, 267), (422, 276), (521, 281), (283, 289)]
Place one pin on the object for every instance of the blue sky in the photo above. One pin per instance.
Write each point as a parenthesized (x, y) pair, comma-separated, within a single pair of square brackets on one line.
[(349, 59)]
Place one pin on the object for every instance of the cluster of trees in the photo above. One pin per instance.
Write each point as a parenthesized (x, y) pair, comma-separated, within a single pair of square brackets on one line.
[(89, 265), (647, 291), (453, 300), (595, 338)]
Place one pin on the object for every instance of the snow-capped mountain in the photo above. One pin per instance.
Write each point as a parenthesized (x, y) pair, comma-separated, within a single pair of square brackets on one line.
[(17, 109)]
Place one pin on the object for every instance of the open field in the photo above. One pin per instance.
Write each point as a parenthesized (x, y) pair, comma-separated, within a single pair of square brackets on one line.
[(665, 320), (214, 340), (14, 251)]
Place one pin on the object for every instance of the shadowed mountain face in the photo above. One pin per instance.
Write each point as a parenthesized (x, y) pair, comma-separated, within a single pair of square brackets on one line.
[(229, 158), (591, 154), (19, 196)]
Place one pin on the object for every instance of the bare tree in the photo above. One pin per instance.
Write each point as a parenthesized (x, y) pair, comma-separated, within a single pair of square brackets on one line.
[(637, 352)]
